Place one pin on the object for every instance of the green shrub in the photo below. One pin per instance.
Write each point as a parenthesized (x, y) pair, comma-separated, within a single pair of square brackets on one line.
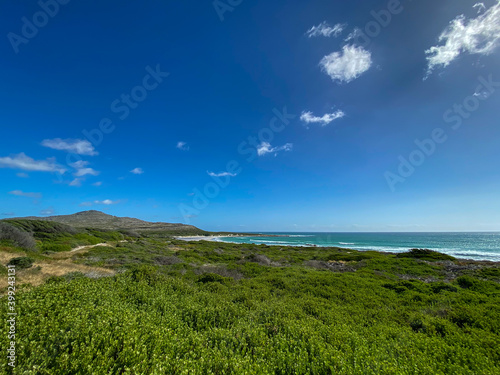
[(21, 238), (55, 247), (381, 319), (425, 254), (439, 287), (211, 278), (21, 262)]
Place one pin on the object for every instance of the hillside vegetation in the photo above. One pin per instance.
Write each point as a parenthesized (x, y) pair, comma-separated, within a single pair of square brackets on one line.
[(174, 307), (100, 220), (49, 236)]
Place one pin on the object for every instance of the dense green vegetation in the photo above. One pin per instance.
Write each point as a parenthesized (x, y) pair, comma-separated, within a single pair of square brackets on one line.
[(215, 308), (425, 254), (55, 237), (21, 262)]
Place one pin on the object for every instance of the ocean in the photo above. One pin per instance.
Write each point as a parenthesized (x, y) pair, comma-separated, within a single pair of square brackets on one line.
[(477, 245)]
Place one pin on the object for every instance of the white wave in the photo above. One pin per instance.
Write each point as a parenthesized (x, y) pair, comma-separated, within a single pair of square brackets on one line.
[(279, 242), (347, 243)]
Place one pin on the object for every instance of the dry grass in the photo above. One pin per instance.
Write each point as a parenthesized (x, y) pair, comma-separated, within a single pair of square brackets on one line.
[(37, 277), (58, 264), (6, 256), (41, 271)]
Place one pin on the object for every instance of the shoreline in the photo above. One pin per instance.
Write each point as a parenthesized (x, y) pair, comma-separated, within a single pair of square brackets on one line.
[(218, 238), (215, 238)]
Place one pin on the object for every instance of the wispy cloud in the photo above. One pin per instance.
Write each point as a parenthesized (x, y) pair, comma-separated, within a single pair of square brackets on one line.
[(106, 202), (20, 193), (266, 148), (98, 183), (221, 174), (76, 182), (86, 171), (347, 65), (480, 7), (77, 146), (182, 146), (324, 29), (82, 169), (22, 175), (137, 171), (477, 36), (357, 32), (47, 212), (24, 162), (324, 120)]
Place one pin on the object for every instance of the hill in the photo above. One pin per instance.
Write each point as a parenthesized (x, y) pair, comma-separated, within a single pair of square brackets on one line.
[(101, 220)]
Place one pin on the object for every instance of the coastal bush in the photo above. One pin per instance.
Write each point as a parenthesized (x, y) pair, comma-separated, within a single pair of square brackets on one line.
[(21, 238), (21, 262), (42, 228), (425, 254), (167, 260), (54, 237), (489, 273), (203, 308), (286, 321), (212, 278)]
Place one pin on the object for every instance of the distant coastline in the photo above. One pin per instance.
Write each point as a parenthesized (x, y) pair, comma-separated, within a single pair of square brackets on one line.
[(475, 246)]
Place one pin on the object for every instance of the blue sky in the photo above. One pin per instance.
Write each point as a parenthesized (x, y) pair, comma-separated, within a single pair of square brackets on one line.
[(256, 116)]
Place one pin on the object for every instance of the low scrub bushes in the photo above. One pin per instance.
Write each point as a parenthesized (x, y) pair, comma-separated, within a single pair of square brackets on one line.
[(21, 262), (21, 238), (425, 254)]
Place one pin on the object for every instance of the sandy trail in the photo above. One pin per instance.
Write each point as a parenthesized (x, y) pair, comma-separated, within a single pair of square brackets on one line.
[(57, 264), (67, 254), (88, 247)]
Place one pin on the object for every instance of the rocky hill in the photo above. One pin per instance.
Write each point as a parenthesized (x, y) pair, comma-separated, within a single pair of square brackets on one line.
[(100, 220)]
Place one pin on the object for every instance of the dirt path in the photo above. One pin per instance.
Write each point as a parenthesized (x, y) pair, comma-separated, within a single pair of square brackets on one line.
[(68, 254), (88, 247), (57, 264)]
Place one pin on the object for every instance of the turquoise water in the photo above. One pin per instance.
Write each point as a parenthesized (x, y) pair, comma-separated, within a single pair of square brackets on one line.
[(478, 246)]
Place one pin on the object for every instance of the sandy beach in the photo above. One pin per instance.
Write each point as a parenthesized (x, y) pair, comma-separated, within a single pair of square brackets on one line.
[(206, 238), (199, 238)]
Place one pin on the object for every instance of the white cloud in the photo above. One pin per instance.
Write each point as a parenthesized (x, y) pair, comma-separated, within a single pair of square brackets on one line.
[(324, 29), (79, 164), (482, 95), (222, 174), (20, 193), (82, 170), (182, 146), (47, 212), (22, 175), (354, 34), (98, 183), (76, 182), (324, 120), (477, 36), (480, 7), (24, 162), (137, 171), (106, 202), (86, 171), (77, 146), (347, 65), (265, 148)]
